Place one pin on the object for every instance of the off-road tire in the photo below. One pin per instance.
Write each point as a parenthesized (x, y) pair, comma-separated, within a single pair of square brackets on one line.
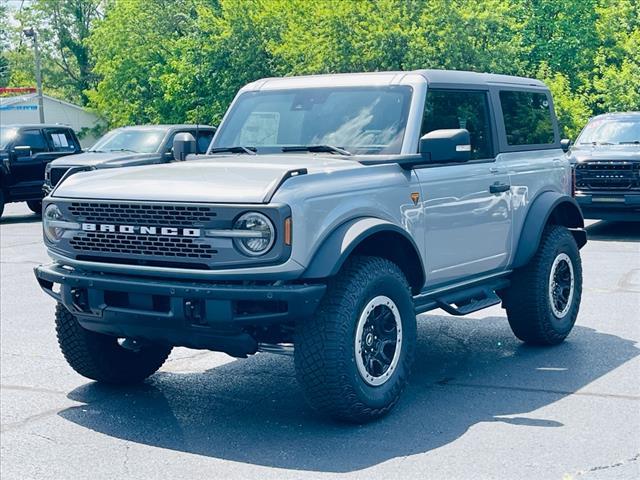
[(35, 206), (528, 300), (100, 357), (325, 353)]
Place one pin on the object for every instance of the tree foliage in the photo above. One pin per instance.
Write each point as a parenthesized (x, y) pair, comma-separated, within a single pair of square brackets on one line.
[(152, 61)]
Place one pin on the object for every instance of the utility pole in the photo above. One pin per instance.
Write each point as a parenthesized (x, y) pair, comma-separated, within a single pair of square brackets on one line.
[(31, 33)]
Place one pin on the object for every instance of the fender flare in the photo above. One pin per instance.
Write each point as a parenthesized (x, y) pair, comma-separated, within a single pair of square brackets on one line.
[(344, 239), (549, 205)]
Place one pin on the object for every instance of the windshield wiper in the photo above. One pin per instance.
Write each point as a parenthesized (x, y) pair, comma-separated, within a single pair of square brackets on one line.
[(596, 143), (316, 148), (97, 151), (236, 149), (122, 150), (635, 142)]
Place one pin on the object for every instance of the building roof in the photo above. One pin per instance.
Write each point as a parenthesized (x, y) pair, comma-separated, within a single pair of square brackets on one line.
[(4, 101)]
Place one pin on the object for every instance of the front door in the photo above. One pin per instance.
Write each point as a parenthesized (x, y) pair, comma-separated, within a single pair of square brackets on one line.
[(29, 155), (467, 207)]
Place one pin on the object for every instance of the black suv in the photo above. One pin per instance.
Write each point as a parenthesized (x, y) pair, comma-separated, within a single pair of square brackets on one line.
[(606, 158), (25, 151), (129, 147)]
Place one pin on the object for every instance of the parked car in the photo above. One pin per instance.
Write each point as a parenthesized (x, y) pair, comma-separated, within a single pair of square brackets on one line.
[(329, 212), (606, 157), (25, 151), (128, 147)]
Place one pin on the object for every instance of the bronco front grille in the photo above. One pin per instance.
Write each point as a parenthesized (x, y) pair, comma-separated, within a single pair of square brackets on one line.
[(608, 175), (184, 248), (142, 214)]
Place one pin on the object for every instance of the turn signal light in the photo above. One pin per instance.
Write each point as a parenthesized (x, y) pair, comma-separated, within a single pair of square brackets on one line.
[(287, 231)]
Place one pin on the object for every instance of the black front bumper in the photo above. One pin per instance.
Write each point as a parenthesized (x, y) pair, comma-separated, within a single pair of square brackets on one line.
[(193, 314), (609, 206)]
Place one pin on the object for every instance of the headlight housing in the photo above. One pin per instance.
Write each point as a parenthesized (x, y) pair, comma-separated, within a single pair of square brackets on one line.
[(51, 223), (260, 234)]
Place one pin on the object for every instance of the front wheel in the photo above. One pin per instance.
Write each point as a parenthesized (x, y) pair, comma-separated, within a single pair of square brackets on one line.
[(105, 358), (544, 298), (354, 356)]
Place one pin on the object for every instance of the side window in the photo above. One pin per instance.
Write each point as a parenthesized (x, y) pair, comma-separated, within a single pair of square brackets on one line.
[(446, 109), (61, 141), (33, 139), (203, 140), (527, 118)]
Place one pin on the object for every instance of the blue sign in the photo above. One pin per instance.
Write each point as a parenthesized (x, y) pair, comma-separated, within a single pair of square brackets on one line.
[(19, 107)]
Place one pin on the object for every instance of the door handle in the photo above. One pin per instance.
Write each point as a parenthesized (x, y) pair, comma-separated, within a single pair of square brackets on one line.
[(499, 187)]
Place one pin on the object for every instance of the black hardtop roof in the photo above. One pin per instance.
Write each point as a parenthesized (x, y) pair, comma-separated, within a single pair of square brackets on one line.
[(446, 77)]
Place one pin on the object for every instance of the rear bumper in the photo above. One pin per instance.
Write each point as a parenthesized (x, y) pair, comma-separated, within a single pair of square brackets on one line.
[(613, 206), (193, 314)]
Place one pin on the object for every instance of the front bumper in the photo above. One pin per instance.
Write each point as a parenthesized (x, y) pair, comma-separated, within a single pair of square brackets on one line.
[(196, 314), (609, 206)]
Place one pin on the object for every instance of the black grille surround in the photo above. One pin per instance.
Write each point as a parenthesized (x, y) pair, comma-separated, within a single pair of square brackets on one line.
[(181, 249), (608, 175), (56, 174)]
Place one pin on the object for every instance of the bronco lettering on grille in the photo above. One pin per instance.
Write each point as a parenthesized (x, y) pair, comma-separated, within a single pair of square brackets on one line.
[(141, 230)]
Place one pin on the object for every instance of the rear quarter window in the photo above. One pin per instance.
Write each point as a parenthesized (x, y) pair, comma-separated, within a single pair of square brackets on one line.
[(527, 118)]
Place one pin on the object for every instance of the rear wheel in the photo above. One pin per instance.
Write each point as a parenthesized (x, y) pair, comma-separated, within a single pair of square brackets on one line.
[(105, 358), (354, 356), (35, 206), (543, 301)]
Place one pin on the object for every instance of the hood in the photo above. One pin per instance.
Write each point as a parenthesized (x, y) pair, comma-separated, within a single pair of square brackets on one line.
[(584, 153), (212, 179), (106, 159)]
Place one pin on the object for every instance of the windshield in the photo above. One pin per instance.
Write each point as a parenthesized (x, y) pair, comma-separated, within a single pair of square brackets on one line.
[(145, 140), (6, 135), (611, 131), (358, 119)]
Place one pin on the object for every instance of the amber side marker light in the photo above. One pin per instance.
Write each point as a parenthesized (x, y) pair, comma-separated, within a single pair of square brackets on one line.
[(287, 231)]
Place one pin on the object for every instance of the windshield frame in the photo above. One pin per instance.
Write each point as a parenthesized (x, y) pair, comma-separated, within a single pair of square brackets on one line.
[(112, 133), (416, 88), (602, 141)]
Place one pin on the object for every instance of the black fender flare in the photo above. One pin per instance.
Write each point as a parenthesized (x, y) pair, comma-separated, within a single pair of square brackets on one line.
[(548, 206), (344, 239)]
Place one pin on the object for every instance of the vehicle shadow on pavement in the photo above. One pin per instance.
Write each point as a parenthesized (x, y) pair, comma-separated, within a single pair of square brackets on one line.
[(11, 219), (252, 411), (614, 231)]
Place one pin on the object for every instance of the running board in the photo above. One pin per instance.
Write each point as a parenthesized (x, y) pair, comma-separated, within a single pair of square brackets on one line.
[(462, 300)]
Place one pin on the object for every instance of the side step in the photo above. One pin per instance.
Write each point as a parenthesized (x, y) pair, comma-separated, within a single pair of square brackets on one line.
[(477, 302), (462, 299)]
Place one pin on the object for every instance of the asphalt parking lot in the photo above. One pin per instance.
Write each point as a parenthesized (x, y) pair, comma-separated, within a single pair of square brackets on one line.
[(480, 403)]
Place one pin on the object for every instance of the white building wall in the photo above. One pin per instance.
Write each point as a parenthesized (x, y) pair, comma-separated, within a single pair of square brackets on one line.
[(25, 110)]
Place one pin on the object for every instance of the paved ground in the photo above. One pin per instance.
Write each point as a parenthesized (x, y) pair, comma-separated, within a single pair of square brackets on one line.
[(480, 404)]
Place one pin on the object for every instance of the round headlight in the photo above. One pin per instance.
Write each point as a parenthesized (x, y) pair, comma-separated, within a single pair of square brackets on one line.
[(51, 216), (259, 236)]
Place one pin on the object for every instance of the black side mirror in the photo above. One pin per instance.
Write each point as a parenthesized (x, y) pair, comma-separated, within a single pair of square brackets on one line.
[(565, 144), (450, 145), (22, 151), (183, 145)]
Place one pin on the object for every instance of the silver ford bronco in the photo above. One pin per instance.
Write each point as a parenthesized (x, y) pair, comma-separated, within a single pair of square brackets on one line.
[(328, 212)]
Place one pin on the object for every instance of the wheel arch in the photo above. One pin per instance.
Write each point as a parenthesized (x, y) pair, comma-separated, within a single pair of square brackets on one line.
[(548, 208), (368, 236)]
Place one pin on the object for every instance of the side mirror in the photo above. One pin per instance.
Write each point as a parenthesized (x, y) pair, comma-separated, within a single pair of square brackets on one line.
[(183, 145), (565, 144), (450, 145), (22, 151)]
